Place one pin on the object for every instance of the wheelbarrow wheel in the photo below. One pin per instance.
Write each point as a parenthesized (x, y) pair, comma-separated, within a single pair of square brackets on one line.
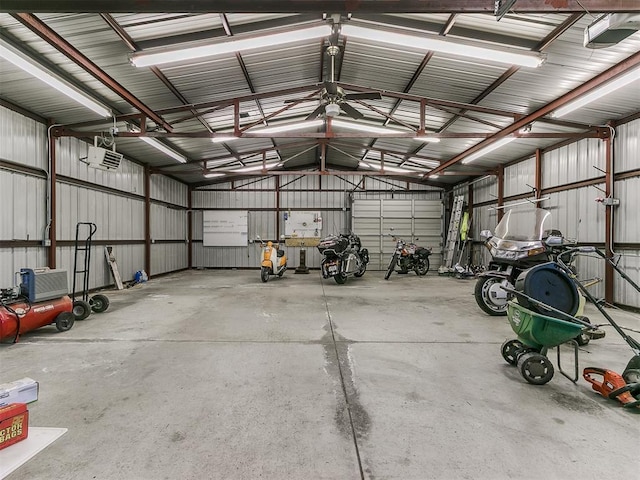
[(510, 351), (584, 338), (535, 368), (64, 321), (81, 309)]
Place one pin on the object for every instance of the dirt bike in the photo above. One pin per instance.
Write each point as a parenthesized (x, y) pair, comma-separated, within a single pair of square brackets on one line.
[(342, 256), (408, 256)]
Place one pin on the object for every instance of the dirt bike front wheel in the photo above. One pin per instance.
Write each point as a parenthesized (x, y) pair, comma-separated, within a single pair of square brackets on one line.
[(392, 266)]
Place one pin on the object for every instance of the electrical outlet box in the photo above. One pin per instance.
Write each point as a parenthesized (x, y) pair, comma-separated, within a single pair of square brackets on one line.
[(46, 243), (611, 202)]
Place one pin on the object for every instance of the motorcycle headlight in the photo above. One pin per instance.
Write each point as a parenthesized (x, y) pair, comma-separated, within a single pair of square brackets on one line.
[(508, 254)]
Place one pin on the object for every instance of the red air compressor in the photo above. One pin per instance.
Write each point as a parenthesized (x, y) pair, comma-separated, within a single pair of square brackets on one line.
[(41, 299)]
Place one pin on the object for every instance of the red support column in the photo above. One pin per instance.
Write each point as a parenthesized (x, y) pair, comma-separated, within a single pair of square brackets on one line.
[(147, 220), (51, 253), (538, 179), (277, 180), (190, 229), (608, 221), (500, 191)]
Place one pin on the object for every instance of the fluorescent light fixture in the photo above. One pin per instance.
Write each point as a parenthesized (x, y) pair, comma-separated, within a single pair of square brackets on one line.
[(255, 168), (598, 92), (422, 161), (29, 65), (434, 176), (439, 44), (275, 129), (213, 175), (488, 149), (386, 168), (144, 59), (362, 127), (166, 150), (224, 138)]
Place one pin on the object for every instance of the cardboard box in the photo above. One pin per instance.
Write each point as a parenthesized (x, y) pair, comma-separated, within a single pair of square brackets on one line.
[(24, 390), (14, 424)]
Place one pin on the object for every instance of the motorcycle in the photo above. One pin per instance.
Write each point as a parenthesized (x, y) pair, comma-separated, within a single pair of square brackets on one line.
[(273, 260), (520, 242), (342, 256), (408, 256)]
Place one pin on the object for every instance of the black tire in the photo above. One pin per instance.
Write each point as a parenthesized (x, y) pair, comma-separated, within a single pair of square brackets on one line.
[(360, 272), (510, 350), (264, 274), (422, 267), (99, 303), (535, 368), (340, 279), (584, 338), (81, 309), (392, 266), (64, 321), (481, 292)]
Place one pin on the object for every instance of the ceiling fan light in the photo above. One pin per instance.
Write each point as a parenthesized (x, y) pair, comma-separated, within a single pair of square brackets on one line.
[(332, 110)]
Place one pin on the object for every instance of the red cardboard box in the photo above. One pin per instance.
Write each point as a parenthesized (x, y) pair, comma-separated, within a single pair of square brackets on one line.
[(14, 424)]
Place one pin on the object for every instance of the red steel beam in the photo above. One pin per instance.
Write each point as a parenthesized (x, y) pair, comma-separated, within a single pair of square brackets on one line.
[(306, 6), (56, 41)]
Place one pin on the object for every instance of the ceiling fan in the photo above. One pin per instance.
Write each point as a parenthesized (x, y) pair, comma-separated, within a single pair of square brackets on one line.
[(333, 98)]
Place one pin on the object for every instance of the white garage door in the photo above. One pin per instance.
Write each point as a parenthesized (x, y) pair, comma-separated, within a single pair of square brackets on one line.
[(418, 221)]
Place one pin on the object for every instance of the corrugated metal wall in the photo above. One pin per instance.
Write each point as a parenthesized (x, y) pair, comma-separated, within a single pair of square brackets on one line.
[(331, 195), (22, 194), (169, 246), (114, 201)]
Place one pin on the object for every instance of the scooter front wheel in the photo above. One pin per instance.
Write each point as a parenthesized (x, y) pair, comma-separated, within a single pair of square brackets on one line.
[(264, 274)]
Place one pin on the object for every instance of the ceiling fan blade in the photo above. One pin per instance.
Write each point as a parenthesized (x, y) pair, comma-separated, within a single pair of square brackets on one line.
[(331, 88), (319, 109), (352, 112), (300, 100), (363, 96)]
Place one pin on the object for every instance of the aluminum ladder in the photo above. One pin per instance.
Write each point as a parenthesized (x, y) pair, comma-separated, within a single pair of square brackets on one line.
[(452, 235)]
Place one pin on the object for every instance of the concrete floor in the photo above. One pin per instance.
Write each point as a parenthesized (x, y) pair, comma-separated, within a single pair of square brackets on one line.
[(214, 375)]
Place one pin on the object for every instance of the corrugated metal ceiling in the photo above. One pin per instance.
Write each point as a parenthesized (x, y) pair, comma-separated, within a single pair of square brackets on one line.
[(366, 64)]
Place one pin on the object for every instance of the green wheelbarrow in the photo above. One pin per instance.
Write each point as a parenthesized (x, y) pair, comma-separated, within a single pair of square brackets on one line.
[(538, 333)]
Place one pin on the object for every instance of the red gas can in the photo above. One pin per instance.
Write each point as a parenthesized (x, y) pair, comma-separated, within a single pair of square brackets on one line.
[(19, 317)]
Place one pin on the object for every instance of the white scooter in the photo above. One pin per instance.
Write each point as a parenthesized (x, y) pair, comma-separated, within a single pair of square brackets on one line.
[(273, 260)]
